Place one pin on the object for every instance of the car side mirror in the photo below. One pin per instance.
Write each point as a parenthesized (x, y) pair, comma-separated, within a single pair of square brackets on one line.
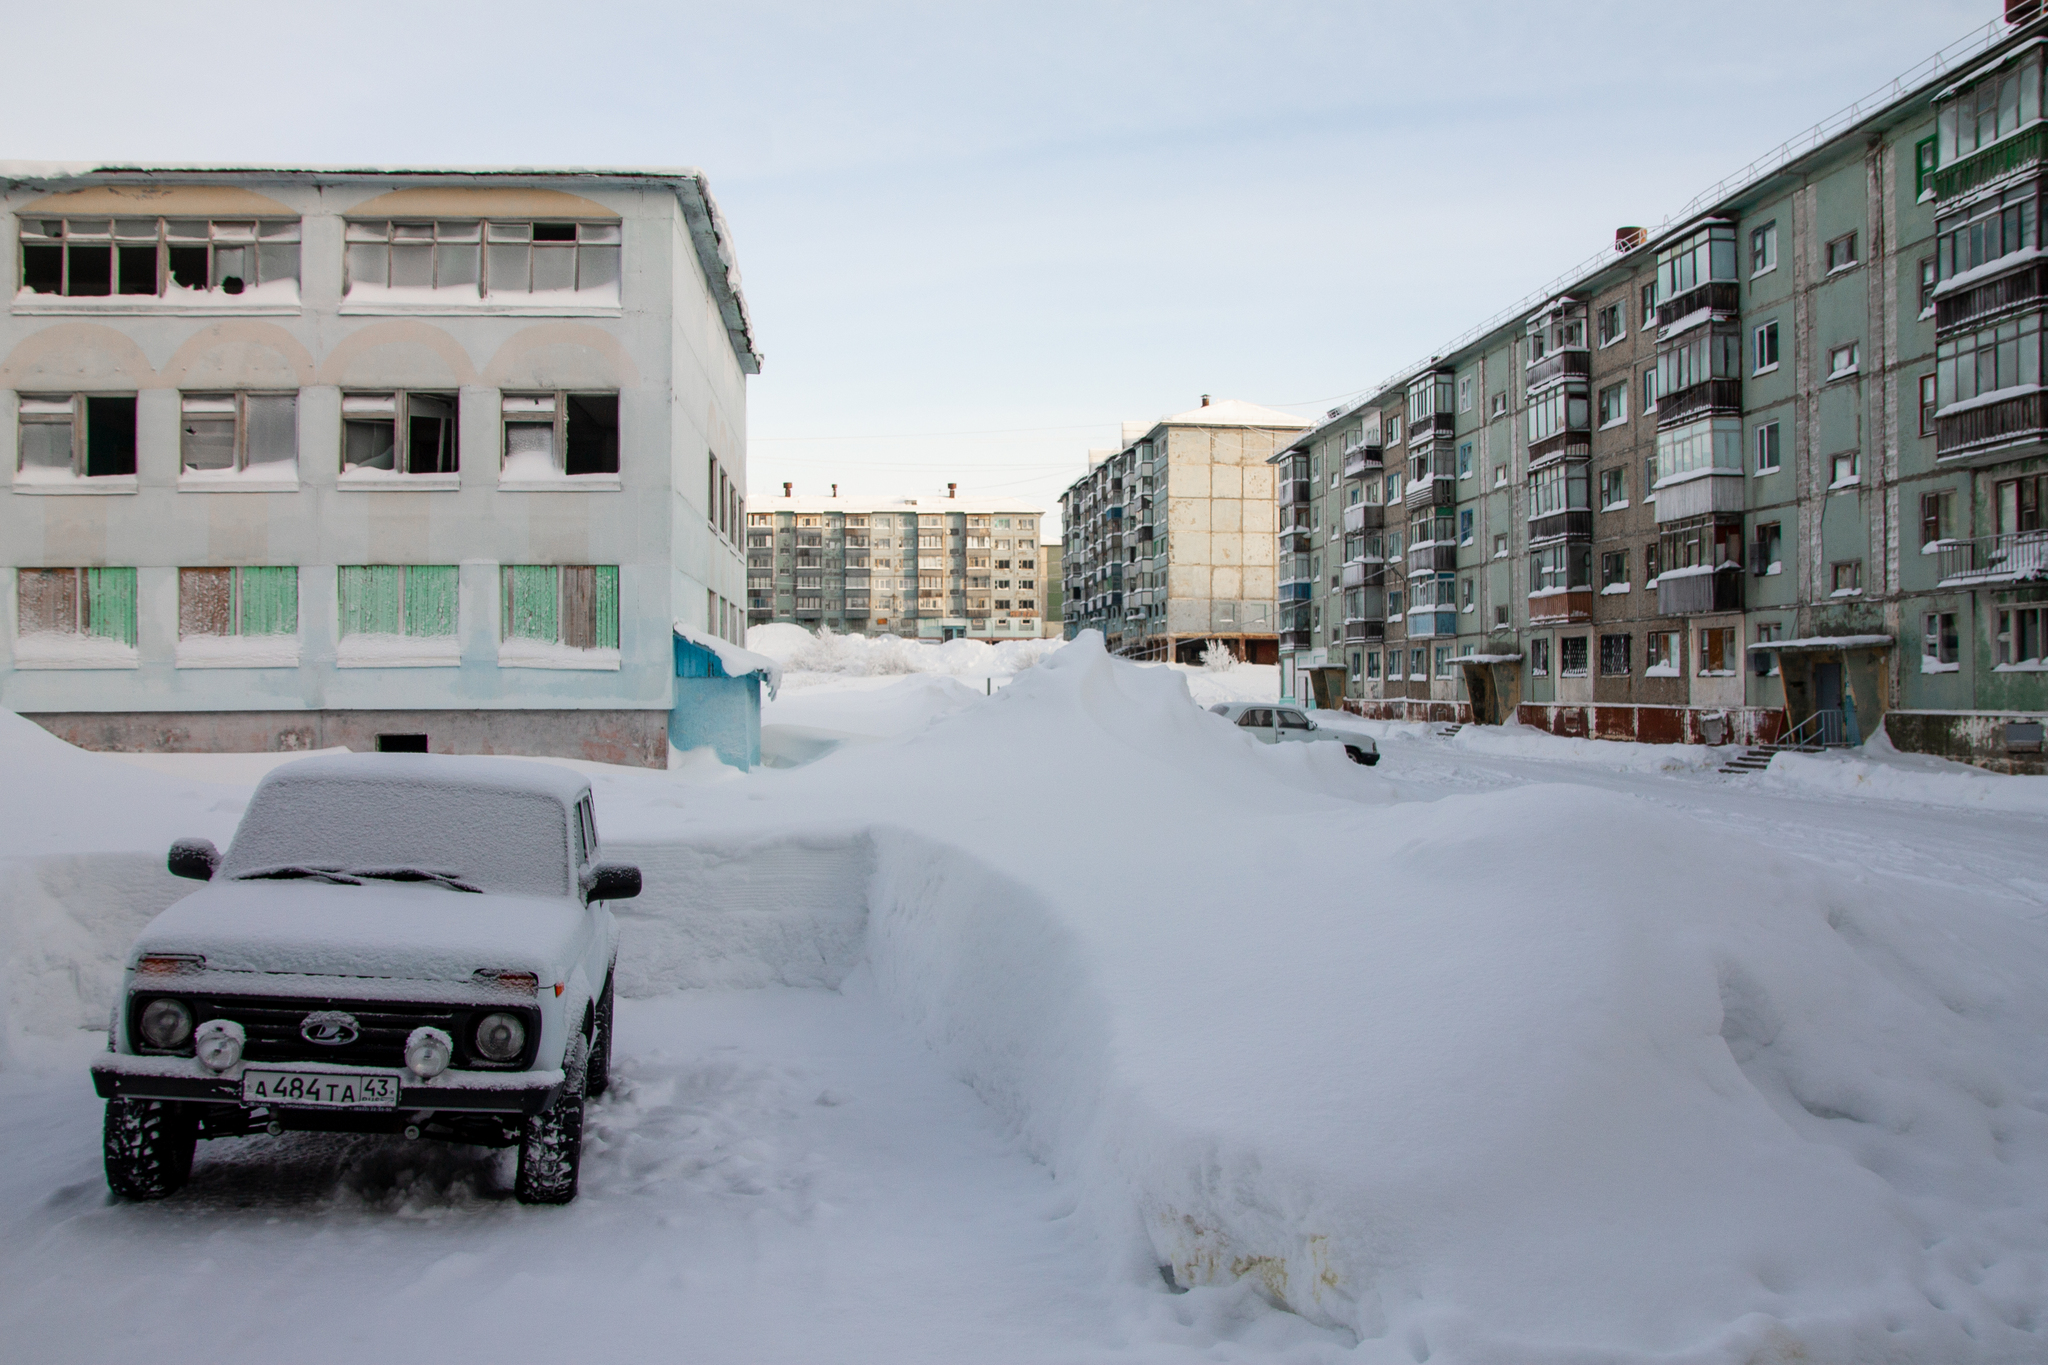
[(197, 859), (614, 882)]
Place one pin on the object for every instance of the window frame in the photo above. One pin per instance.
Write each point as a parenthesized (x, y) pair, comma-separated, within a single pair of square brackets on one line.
[(1767, 441), (1763, 342), (275, 232), (1763, 247), (492, 238), (560, 399), (1834, 261), (79, 418)]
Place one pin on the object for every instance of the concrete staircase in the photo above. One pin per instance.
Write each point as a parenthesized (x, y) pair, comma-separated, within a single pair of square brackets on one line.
[(1450, 730), (1758, 757)]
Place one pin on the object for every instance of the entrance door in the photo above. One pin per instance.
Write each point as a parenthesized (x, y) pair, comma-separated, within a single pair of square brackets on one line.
[(1827, 687)]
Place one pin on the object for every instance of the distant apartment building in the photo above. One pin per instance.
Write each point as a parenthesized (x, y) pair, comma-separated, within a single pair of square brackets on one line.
[(1774, 467), (1050, 553), (929, 569), (402, 459), (1169, 539)]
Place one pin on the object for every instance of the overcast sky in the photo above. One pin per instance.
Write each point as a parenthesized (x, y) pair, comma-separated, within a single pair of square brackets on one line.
[(976, 237)]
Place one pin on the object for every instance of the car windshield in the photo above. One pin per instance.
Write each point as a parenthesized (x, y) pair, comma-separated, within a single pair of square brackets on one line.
[(347, 830)]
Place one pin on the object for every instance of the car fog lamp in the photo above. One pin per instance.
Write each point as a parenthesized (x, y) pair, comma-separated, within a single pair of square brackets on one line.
[(500, 1037), (166, 1023), (427, 1051), (219, 1043)]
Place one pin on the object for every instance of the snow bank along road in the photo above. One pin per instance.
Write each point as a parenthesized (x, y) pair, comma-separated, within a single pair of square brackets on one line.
[(1508, 1049)]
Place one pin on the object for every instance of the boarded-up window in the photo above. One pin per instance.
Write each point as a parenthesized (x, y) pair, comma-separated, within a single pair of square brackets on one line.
[(574, 604), (258, 600), (398, 599), (95, 602)]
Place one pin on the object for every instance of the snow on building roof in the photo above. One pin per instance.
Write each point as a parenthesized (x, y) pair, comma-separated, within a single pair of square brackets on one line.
[(860, 506), (736, 662), (709, 233), (1232, 412), (1487, 659)]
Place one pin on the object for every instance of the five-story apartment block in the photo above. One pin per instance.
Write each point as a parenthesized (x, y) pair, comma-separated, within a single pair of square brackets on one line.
[(376, 458)]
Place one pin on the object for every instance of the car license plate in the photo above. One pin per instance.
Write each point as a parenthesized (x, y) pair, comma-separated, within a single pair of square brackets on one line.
[(276, 1085)]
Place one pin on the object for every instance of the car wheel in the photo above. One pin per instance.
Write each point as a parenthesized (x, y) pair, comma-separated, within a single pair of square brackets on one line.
[(1358, 755), (551, 1142), (148, 1147), (1370, 759), (600, 1069)]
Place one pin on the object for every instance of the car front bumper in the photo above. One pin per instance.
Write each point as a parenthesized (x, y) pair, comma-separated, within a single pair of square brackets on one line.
[(120, 1075)]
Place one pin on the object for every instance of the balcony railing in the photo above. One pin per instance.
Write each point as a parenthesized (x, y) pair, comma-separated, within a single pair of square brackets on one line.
[(1693, 592), (1553, 608), (1435, 424), (1435, 557), (1364, 632), (2009, 558), (1722, 296), (1363, 575), (1574, 364), (1294, 639), (1713, 395), (2008, 422), (1432, 622), (1361, 459), (1564, 445), (1292, 491), (1440, 490), (1364, 516), (1577, 523), (1982, 302), (1999, 159)]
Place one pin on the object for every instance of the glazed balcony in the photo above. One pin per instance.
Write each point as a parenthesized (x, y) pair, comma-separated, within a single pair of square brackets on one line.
[(1992, 299), (1431, 426), (1439, 556), (1716, 296), (2000, 159), (1362, 460), (1362, 631), (1572, 524), (1362, 575), (1700, 590), (1699, 400), (1294, 492), (1294, 639), (1568, 364), (1364, 516)]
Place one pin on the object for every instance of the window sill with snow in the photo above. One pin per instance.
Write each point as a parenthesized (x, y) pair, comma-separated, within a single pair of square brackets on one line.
[(238, 651), (548, 654), (397, 651), (52, 649)]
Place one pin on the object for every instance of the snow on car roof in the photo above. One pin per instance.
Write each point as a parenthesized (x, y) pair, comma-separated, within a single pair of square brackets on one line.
[(447, 770)]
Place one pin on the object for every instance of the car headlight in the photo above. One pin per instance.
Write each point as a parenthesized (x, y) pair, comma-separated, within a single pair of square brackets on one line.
[(500, 1037), (218, 1044), (166, 1023), (427, 1051)]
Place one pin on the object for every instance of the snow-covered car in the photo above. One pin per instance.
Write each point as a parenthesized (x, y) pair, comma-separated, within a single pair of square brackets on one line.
[(393, 943), (1272, 724)]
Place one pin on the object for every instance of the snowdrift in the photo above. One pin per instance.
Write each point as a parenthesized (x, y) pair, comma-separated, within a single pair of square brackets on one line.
[(800, 651), (1539, 1074)]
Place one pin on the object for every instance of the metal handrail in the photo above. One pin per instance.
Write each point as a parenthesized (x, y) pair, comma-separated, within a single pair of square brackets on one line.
[(1828, 729)]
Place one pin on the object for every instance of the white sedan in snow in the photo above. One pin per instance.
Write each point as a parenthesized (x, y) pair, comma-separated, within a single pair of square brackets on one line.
[(392, 944), (1272, 724)]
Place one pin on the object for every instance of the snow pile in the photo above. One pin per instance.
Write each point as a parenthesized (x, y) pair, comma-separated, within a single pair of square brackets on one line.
[(1878, 770), (861, 656)]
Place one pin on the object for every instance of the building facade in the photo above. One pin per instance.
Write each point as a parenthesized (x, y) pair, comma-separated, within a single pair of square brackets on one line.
[(1772, 468), (932, 569), (388, 459), (1169, 538)]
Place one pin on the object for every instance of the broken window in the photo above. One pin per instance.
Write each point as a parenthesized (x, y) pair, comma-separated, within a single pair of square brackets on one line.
[(553, 435), (399, 433), (576, 605), (255, 600), (97, 603), (77, 436), (475, 259), (1941, 643), (159, 257), (224, 433)]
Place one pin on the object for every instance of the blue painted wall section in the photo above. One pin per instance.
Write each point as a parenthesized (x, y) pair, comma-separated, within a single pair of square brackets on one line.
[(714, 708)]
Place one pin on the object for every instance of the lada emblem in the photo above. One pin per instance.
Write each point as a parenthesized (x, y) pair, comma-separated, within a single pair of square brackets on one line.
[(330, 1028)]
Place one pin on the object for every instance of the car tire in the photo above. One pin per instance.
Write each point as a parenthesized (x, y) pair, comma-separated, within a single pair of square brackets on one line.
[(148, 1147), (551, 1142), (1358, 755), (600, 1069), (1370, 759)]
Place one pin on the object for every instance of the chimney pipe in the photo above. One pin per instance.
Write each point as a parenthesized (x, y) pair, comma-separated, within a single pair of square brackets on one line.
[(1629, 238), (951, 490), (1205, 400), (835, 490), (785, 490)]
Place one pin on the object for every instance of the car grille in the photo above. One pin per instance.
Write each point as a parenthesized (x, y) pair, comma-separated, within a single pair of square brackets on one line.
[(270, 1027)]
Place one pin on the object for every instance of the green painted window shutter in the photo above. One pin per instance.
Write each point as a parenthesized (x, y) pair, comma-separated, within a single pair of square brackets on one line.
[(369, 599), (607, 604), (269, 600), (530, 603), (430, 599), (110, 604)]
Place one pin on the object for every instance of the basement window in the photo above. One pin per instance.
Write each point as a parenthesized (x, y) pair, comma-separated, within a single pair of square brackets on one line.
[(560, 435)]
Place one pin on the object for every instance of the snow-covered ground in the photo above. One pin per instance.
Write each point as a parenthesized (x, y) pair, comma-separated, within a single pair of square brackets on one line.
[(1027, 978)]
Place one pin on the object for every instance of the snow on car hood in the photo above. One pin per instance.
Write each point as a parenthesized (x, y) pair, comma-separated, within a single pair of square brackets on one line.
[(412, 930)]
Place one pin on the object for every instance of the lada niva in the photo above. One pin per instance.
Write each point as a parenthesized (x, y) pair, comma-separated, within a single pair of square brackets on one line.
[(393, 943)]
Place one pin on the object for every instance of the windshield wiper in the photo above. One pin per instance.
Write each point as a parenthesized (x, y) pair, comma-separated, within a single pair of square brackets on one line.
[(416, 874), (295, 872)]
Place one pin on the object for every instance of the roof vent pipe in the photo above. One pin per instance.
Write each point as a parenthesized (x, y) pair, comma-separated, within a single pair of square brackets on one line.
[(785, 490), (952, 490), (1629, 238), (835, 490), (1205, 400)]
